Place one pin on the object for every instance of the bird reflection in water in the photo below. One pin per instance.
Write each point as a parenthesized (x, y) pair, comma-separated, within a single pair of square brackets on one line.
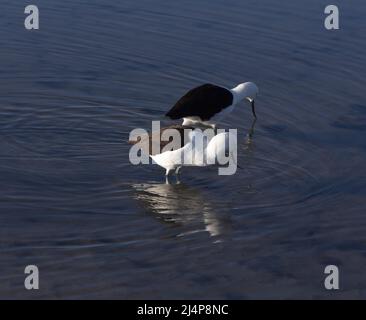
[(182, 205)]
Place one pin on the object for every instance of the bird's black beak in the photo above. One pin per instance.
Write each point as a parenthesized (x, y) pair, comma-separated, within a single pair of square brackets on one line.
[(253, 109)]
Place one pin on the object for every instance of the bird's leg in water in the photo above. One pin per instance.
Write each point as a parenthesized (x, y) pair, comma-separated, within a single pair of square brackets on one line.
[(167, 174), (177, 174)]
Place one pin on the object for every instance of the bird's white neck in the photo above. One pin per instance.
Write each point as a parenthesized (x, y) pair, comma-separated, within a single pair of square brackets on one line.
[(239, 94)]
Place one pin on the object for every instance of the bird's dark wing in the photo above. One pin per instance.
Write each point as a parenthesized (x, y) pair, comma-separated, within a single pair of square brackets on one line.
[(204, 102)]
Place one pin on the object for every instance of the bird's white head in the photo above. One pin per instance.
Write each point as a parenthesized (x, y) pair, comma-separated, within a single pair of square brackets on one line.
[(247, 91)]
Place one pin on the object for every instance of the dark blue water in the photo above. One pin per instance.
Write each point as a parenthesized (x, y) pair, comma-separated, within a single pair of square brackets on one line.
[(98, 227)]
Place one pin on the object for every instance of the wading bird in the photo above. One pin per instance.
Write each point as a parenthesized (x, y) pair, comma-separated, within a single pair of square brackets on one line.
[(194, 148)]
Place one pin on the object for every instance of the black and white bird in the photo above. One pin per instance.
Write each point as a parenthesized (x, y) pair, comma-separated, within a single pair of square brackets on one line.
[(199, 155), (209, 103)]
